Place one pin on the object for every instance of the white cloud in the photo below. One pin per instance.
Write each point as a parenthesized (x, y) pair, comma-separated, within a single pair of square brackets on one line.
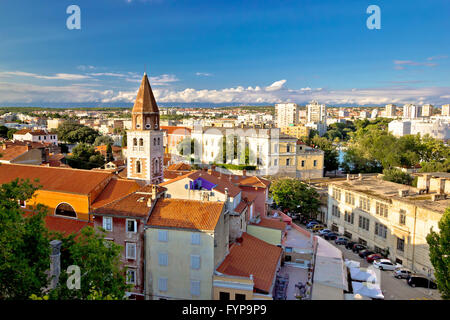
[(58, 76), (401, 64), (203, 74), (277, 85)]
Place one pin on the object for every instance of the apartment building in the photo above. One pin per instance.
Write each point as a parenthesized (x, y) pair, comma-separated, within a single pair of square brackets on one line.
[(298, 131), (185, 241), (427, 110), (36, 136), (316, 112), (286, 114), (310, 162), (390, 218), (390, 110), (445, 110), (411, 111)]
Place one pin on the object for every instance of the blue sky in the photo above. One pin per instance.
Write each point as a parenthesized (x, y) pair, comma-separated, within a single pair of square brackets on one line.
[(225, 51)]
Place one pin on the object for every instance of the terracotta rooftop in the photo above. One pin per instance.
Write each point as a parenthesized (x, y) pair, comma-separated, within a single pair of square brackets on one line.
[(64, 225), (180, 166), (221, 184), (240, 207), (55, 179), (253, 257), (186, 214), (32, 132), (145, 100), (271, 223), (241, 180), (132, 205), (9, 153), (114, 190), (176, 130)]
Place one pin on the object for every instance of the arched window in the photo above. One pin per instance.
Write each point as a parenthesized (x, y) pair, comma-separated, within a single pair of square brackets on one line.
[(65, 209), (154, 141), (134, 142), (141, 142), (138, 166), (158, 141), (156, 168)]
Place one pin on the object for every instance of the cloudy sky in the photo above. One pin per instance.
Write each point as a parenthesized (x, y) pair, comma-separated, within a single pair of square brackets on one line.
[(250, 52)]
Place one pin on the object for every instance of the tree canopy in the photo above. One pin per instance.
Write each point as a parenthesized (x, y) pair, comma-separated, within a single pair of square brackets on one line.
[(295, 196), (439, 243), (103, 140), (76, 133), (84, 156)]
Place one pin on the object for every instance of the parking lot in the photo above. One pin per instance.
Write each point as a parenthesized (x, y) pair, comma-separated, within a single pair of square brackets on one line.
[(392, 288)]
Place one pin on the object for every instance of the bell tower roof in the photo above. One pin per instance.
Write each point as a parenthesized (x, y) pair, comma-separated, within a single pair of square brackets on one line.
[(145, 100)]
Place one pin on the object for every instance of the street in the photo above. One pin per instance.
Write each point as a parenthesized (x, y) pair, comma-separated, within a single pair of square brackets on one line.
[(392, 288)]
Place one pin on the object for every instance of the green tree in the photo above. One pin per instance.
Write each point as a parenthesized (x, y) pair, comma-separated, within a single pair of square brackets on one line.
[(24, 244), (10, 133), (84, 156), (124, 139), (3, 132), (295, 196), (397, 176), (103, 140), (100, 266), (109, 153), (331, 161), (439, 244), (72, 132)]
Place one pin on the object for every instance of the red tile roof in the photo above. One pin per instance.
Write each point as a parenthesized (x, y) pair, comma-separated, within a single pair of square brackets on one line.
[(221, 184), (65, 225), (132, 205), (240, 207), (55, 179), (180, 166), (253, 257), (114, 190), (176, 130), (186, 214), (272, 223), (9, 153), (241, 180)]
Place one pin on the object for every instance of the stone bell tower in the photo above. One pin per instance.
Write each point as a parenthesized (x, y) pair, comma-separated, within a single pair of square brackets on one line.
[(145, 152)]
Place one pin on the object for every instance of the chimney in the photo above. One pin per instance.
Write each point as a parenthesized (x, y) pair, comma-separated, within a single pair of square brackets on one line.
[(403, 192), (348, 177), (149, 202), (244, 172), (4, 146), (154, 191), (360, 176), (55, 262)]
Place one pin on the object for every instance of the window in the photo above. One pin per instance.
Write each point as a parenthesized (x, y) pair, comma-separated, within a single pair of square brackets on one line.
[(363, 223), (195, 262), (158, 141), (65, 209), (382, 209), (131, 225), (380, 230), (195, 238), (402, 219), (224, 295), (335, 211), (195, 287), (349, 198), (148, 126), (162, 284), (22, 203), (336, 194), (275, 162), (131, 250), (163, 259), (315, 163), (400, 244), (349, 216), (303, 163), (134, 142), (364, 204), (138, 167), (288, 162), (107, 223), (239, 296), (141, 142), (131, 276), (154, 141), (162, 235), (288, 148)]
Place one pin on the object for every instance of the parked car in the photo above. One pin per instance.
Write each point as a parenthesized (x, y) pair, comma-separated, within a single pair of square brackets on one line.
[(384, 264), (324, 231), (420, 281), (357, 247), (331, 236), (364, 253), (402, 273), (350, 245), (311, 224), (341, 240), (372, 257), (317, 227)]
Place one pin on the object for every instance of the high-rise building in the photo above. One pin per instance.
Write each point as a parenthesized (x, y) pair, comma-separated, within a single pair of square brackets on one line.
[(390, 110), (427, 110), (411, 111), (445, 110), (145, 139), (316, 112), (287, 114)]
